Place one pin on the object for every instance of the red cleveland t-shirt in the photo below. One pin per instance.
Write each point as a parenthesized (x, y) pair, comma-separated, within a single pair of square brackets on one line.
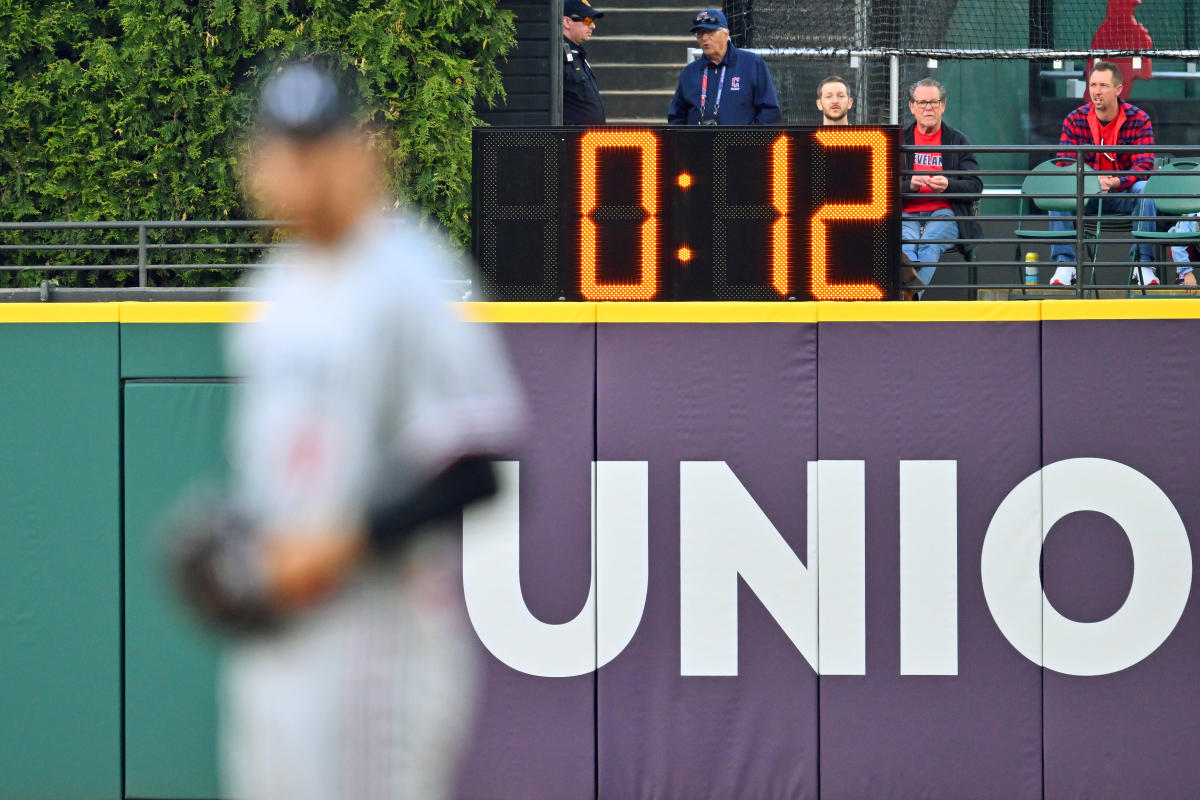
[(926, 162)]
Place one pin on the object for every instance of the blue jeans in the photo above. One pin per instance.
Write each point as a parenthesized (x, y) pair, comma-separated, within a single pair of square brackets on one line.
[(914, 232), (1130, 202)]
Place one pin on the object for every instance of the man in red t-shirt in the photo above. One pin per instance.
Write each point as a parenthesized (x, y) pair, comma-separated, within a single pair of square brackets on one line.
[(929, 217)]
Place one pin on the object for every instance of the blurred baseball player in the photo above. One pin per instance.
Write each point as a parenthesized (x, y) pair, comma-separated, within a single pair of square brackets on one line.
[(368, 418)]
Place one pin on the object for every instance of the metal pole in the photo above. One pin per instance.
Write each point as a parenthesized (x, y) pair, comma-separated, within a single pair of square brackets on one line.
[(860, 41), (141, 256), (894, 89), (1079, 201), (556, 59)]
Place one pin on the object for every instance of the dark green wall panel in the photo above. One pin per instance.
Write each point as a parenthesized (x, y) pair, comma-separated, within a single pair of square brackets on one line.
[(174, 435), (59, 562), (188, 350)]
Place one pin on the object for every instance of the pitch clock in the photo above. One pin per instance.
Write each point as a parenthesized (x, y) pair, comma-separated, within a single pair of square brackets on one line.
[(686, 213)]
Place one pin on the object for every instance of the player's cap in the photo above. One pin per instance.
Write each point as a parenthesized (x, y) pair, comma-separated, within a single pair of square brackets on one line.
[(709, 20), (580, 8), (302, 100)]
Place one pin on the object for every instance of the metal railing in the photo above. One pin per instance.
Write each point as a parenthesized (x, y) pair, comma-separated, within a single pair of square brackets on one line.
[(141, 258), (141, 248), (989, 273), (139, 243)]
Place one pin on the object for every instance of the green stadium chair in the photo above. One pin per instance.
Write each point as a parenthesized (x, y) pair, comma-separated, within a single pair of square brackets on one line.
[(1050, 178), (1178, 177)]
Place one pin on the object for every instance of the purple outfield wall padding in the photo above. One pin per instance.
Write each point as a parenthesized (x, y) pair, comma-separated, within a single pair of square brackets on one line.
[(744, 394), (535, 739), (932, 634), (1124, 390), (964, 392)]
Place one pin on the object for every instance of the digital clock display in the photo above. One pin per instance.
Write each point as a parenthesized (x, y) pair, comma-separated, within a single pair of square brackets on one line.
[(686, 213)]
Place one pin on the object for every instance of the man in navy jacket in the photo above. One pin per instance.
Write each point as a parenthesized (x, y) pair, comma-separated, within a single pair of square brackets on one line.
[(726, 86)]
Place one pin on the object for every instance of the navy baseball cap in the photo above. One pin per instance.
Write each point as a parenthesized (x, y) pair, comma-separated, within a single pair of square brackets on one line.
[(304, 101), (580, 8), (709, 20)]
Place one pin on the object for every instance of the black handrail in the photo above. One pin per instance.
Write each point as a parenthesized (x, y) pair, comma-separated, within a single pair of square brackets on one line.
[(255, 239), (1080, 220)]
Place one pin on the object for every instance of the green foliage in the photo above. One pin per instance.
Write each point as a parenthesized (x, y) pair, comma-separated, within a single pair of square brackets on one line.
[(137, 110)]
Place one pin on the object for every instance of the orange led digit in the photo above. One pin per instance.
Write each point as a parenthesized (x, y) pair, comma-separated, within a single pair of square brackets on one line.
[(828, 214), (684, 254), (780, 190), (591, 146), (684, 180)]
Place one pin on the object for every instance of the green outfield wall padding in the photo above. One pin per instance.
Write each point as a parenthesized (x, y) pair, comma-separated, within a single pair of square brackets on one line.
[(60, 635), (174, 437), (151, 350)]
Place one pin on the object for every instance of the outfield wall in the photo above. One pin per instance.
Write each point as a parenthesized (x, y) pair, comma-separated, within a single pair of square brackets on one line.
[(818, 537)]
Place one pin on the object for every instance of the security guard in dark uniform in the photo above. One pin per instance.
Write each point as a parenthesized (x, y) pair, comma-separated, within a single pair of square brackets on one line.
[(581, 96)]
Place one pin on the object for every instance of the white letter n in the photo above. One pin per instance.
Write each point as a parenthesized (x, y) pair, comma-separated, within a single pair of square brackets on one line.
[(724, 535)]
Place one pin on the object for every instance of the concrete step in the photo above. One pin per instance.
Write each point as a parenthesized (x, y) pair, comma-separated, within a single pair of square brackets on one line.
[(639, 49), (643, 104), (613, 77), (655, 20)]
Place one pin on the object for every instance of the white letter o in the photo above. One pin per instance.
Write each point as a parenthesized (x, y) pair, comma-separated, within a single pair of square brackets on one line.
[(1162, 567)]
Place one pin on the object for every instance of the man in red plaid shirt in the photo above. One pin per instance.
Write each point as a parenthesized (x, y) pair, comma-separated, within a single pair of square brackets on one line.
[(1107, 119)]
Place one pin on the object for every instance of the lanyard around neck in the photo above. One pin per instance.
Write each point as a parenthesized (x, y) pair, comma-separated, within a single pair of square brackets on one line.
[(704, 90)]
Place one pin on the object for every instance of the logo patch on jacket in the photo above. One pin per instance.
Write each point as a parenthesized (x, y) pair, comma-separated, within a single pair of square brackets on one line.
[(735, 84)]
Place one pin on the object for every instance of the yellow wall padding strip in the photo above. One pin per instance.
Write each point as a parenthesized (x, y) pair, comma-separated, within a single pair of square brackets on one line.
[(699, 312), (529, 312), (1141, 308), (59, 312), (218, 312)]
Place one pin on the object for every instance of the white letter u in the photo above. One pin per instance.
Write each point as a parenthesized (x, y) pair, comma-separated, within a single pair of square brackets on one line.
[(619, 574)]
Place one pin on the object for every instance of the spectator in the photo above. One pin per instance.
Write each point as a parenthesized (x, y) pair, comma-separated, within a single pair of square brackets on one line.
[(936, 217), (726, 86), (834, 101), (1186, 255), (1108, 120), (581, 95)]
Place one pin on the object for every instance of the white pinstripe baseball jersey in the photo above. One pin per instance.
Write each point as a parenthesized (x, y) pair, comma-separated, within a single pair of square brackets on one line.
[(360, 385)]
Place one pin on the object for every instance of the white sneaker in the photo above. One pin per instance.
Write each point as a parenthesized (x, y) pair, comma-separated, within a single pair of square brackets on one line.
[(1063, 276), (1148, 276)]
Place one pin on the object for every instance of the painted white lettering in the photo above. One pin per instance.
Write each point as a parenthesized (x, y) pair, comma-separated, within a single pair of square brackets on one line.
[(820, 602), (928, 568), (1162, 573), (724, 535), (619, 576)]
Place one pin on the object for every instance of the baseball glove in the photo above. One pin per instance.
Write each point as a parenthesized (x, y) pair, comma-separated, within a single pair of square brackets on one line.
[(217, 566)]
